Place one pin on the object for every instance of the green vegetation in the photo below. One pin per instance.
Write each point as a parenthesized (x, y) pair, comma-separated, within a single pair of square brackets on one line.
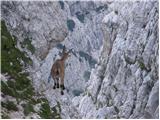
[(11, 58), (59, 107), (99, 105), (27, 43), (9, 105), (7, 90), (70, 25), (19, 85), (47, 113), (28, 108), (5, 116), (80, 17), (141, 65), (10, 55)]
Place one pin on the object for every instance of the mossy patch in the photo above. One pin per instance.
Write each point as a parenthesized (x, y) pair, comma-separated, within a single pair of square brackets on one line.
[(5, 116), (141, 65), (27, 43), (18, 85), (11, 58), (99, 105), (7, 90), (47, 113), (9, 105), (28, 108)]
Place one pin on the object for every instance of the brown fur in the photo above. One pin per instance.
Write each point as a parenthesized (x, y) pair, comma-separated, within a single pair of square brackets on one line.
[(58, 71)]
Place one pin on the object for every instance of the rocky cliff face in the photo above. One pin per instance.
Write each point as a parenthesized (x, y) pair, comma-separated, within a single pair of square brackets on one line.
[(113, 68), (125, 83)]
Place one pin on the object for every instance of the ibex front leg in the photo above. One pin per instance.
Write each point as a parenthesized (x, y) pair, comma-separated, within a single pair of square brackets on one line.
[(55, 83), (62, 84), (57, 79)]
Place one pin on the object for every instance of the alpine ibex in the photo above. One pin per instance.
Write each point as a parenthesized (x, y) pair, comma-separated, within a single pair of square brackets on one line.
[(58, 70)]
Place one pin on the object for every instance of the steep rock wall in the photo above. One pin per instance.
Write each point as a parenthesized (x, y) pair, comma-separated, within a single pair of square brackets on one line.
[(123, 74), (125, 83)]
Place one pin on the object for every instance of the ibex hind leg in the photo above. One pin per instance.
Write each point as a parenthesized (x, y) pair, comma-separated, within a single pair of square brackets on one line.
[(55, 84), (62, 88), (54, 87), (57, 79), (62, 93)]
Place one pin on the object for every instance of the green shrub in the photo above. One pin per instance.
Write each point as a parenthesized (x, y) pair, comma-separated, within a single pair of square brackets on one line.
[(5, 116), (27, 43), (7, 90), (9, 105), (47, 113), (28, 108), (10, 58), (141, 65), (18, 85)]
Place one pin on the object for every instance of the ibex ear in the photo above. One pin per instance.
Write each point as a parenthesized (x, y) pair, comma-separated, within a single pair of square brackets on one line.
[(69, 55), (70, 50)]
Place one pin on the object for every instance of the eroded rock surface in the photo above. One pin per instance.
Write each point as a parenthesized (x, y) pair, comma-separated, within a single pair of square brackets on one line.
[(113, 68), (129, 64)]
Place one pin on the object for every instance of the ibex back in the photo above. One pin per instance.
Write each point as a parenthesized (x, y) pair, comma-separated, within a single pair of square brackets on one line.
[(58, 71)]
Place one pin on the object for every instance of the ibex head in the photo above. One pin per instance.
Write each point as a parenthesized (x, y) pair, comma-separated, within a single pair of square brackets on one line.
[(65, 54)]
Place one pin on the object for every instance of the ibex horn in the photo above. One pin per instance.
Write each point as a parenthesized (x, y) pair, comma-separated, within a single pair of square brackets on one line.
[(64, 48), (70, 50)]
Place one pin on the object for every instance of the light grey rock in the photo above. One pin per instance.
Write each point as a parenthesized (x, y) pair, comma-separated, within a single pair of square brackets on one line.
[(128, 52), (113, 68), (43, 22)]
